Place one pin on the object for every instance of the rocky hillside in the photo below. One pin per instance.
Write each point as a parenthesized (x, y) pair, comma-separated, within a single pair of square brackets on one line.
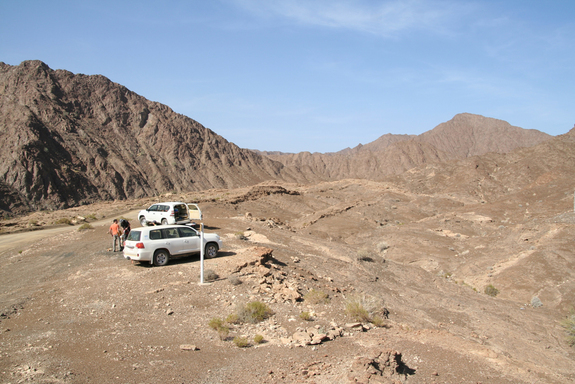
[(463, 136), (72, 139)]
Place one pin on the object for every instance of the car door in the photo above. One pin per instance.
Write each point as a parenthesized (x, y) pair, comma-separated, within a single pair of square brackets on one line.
[(194, 212), (151, 213), (191, 238), (173, 242)]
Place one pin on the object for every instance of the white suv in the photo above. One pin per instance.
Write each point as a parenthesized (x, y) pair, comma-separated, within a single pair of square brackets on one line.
[(158, 244), (170, 213)]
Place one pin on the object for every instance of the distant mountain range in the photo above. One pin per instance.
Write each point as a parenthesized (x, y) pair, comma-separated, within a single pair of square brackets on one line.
[(71, 139)]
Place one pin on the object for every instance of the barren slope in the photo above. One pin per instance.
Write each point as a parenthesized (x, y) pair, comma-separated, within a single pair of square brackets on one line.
[(71, 139)]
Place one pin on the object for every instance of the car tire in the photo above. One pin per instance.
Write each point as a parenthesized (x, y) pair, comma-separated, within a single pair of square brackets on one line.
[(211, 251), (164, 222), (143, 221), (161, 257)]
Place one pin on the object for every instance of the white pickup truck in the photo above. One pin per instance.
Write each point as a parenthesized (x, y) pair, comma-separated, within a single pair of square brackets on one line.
[(170, 213)]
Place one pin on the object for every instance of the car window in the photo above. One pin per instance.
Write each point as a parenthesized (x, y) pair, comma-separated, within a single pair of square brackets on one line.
[(170, 233), (153, 208), (155, 234), (192, 207), (187, 232), (165, 208), (134, 236)]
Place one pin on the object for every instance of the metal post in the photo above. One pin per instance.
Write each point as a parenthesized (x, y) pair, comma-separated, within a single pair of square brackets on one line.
[(202, 253)]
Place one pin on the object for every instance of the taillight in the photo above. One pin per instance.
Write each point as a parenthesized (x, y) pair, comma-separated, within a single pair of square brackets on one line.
[(172, 213), (140, 245)]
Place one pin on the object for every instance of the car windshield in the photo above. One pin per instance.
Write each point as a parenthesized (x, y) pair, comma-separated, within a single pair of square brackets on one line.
[(134, 236)]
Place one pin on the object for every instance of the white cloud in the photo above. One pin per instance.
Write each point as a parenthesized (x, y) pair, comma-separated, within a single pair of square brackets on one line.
[(384, 18)]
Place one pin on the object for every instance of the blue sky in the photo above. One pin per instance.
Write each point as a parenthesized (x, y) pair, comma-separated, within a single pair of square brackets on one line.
[(315, 75)]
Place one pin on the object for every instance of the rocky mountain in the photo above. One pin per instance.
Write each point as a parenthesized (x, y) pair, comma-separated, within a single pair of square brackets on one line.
[(463, 136), (70, 139), (470, 135)]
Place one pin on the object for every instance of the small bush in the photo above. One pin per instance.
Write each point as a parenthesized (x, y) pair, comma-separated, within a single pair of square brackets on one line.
[(258, 339), (306, 316), (32, 223), (253, 312), (232, 319), (357, 312), (378, 321), (85, 226), (210, 275), (491, 290), (241, 342), (569, 325), (91, 216), (63, 220), (218, 325), (234, 280), (364, 308), (215, 323), (316, 297)]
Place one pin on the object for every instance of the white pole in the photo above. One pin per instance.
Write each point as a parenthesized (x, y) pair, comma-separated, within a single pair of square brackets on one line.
[(202, 253)]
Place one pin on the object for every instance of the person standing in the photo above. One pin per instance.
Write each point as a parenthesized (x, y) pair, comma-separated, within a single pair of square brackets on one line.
[(126, 228), (116, 233)]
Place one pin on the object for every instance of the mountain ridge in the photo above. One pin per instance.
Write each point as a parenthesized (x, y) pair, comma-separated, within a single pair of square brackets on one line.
[(75, 139)]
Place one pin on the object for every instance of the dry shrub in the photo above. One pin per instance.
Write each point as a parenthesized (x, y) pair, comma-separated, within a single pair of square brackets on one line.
[(357, 312), (378, 321), (258, 339), (364, 308), (253, 312), (316, 297), (241, 342), (491, 290), (84, 227), (218, 325), (233, 318), (210, 275), (306, 316), (63, 220), (234, 280)]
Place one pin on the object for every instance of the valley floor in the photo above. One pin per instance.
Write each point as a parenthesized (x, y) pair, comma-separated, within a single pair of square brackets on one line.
[(75, 312)]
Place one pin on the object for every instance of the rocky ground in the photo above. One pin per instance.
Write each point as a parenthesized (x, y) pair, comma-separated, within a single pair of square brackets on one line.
[(75, 312)]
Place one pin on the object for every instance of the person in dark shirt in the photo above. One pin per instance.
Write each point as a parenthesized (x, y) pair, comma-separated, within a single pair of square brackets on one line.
[(125, 224)]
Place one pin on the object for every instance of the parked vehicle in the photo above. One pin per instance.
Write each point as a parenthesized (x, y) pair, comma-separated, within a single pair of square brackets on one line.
[(170, 213), (158, 244)]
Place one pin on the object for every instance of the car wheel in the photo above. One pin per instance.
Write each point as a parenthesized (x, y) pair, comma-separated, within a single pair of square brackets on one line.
[(164, 222), (161, 258), (211, 251), (143, 221)]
